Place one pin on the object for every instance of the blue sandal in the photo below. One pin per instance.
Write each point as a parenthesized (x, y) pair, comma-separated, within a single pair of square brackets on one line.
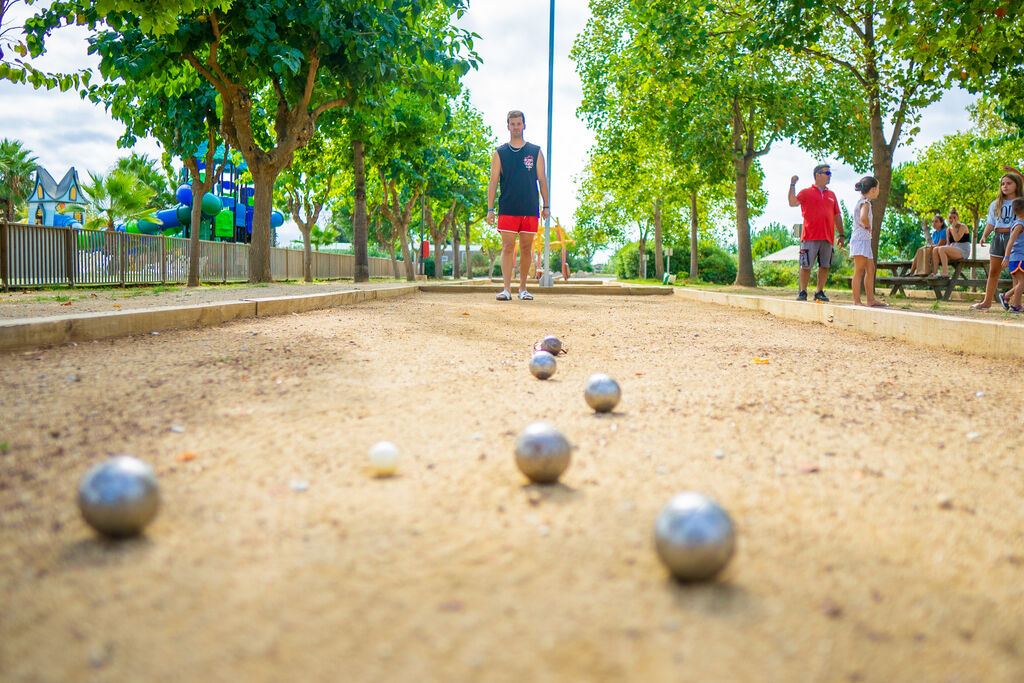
[(504, 296), (525, 296)]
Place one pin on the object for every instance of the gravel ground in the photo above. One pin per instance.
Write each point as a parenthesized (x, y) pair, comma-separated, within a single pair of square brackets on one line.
[(876, 488)]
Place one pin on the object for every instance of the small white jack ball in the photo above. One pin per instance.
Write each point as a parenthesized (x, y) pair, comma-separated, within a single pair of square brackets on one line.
[(602, 392), (384, 458), (694, 536), (119, 497)]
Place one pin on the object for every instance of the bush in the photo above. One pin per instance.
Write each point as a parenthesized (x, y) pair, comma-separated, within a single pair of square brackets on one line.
[(714, 264), (625, 262), (776, 274), (770, 239), (842, 265)]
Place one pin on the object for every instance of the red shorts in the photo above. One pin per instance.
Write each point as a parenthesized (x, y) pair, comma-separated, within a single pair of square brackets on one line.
[(518, 223)]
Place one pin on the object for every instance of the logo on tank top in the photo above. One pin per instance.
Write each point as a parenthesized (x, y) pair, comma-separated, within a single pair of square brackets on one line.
[(528, 163)]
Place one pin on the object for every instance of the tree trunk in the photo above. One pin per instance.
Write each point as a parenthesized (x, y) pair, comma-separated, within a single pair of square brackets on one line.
[(693, 235), (193, 232), (659, 259), (490, 271), (881, 164), (263, 177), (394, 261), (307, 252), (199, 190), (469, 260), (359, 221), (455, 252), (403, 238), (745, 263), (641, 255)]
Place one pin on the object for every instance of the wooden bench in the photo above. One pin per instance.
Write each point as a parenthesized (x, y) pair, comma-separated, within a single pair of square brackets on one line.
[(942, 286)]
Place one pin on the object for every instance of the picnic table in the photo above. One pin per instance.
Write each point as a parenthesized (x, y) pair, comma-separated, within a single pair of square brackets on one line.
[(942, 286)]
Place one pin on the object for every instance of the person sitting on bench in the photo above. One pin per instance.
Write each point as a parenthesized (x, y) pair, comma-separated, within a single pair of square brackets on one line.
[(957, 245)]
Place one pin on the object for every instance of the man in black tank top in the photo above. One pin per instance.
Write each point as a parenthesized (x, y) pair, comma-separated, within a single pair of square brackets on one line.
[(518, 167)]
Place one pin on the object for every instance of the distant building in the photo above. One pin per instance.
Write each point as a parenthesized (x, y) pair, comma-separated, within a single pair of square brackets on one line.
[(49, 198)]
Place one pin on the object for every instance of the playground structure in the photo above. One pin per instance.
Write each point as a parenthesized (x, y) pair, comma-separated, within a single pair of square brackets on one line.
[(226, 217), (537, 262), (227, 211)]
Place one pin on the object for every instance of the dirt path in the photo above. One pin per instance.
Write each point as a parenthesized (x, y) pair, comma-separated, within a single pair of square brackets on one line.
[(877, 498)]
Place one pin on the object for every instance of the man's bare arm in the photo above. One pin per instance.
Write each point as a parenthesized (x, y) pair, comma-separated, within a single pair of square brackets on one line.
[(792, 192), (492, 186), (542, 181)]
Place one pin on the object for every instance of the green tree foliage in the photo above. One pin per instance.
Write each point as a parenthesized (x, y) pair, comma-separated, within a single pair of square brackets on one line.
[(17, 169), (114, 199), (724, 100), (961, 170), (309, 183), (17, 51), (986, 53), (899, 55), (149, 174), (277, 66), (458, 160), (153, 95)]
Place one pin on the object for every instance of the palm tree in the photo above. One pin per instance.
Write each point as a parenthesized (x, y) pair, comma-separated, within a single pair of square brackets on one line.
[(147, 171), (118, 198), (16, 168)]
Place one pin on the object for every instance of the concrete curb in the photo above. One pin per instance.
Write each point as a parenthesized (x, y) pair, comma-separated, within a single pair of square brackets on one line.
[(614, 290), (33, 332), (982, 337)]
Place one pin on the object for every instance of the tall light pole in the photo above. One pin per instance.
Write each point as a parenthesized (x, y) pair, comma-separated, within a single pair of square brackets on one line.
[(547, 280)]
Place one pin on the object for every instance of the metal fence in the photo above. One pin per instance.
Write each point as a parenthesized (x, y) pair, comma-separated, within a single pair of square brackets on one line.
[(41, 255)]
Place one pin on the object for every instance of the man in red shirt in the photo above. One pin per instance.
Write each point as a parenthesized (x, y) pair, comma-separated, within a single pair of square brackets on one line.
[(822, 222)]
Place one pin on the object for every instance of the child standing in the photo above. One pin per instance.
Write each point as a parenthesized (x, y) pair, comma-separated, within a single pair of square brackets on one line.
[(1014, 259), (1000, 220), (860, 244)]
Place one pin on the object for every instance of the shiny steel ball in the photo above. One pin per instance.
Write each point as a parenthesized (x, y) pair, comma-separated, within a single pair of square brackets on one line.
[(384, 458), (119, 497), (602, 392), (543, 365), (542, 453), (551, 344), (694, 536)]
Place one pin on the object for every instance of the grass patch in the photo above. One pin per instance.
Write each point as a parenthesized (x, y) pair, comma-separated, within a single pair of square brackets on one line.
[(4, 445)]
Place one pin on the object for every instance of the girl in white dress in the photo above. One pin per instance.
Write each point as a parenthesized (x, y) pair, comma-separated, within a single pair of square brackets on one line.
[(860, 244)]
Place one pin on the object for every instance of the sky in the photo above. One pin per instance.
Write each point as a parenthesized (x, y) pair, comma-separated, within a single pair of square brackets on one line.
[(64, 131)]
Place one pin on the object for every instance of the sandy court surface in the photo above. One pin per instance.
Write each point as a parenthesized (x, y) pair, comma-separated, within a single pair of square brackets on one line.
[(876, 486)]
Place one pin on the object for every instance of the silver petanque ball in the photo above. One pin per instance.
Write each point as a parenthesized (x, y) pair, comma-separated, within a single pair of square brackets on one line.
[(602, 392), (542, 453), (694, 536), (543, 364), (119, 497), (551, 344)]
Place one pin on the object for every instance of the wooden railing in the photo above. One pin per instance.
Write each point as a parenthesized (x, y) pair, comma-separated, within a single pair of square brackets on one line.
[(41, 255)]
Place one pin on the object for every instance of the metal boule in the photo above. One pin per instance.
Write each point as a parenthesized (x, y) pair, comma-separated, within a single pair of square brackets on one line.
[(602, 392), (543, 365), (119, 497), (542, 453), (694, 536), (551, 344)]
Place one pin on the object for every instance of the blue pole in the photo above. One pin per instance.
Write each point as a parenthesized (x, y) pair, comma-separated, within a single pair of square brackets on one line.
[(548, 280)]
